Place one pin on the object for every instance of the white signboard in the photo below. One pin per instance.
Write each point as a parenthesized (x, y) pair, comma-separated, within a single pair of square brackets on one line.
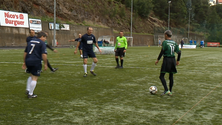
[(13, 19), (188, 46), (64, 26), (35, 24), (51, 26)]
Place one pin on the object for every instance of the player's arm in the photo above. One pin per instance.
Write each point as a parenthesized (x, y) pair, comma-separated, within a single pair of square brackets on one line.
[(179, 55), (24, 56), (160, 55), (116, 45), (96, 44), (125, 45), (78, 44), (71, 40), (44, 58), (49, 47)]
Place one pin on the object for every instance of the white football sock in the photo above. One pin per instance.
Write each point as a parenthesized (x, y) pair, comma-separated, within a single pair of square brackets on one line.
[(28, 83), (85, 68), (81, 56), (32, 87), (93, 66)]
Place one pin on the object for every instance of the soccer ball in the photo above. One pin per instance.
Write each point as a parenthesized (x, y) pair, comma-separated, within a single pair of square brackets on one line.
[(153, 89)]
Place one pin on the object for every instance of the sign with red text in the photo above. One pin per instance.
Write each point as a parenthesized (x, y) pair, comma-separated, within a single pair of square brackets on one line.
[(13, 19), (213, 44)]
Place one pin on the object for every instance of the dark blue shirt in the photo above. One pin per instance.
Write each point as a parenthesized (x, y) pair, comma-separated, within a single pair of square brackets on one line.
[(34, 50), (87, 42), (29, 38), (79, 40)]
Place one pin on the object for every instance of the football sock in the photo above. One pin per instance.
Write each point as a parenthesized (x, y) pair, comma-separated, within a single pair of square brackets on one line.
[(28, 83), (121, 62), (171, 81), (117, 61), (85, 68), (48, 64), (32, 87), (163, 81), (93, 66)]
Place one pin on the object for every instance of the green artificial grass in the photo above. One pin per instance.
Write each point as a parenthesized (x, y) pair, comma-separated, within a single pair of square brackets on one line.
[(114, 96)]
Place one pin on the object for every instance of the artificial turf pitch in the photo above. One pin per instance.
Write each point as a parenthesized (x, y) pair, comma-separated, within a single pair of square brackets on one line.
[(114, 96)]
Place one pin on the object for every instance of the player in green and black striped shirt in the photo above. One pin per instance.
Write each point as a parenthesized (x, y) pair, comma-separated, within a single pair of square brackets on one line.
[(169, 47), (120, 48)]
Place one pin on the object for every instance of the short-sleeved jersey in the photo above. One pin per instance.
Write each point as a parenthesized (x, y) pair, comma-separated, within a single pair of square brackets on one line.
[(87, 42), (191, 41), (121, 42), (29, 38), (34, 50), (78, 40), (169, 47)]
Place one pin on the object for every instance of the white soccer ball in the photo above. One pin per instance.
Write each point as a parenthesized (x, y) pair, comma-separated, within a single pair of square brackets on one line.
[(153, 89)]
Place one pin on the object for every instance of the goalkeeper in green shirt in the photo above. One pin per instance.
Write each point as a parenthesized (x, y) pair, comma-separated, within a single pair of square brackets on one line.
[(120, 49), (169, 47)]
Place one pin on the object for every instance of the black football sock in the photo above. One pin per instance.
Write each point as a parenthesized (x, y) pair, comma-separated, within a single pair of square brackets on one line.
[(117, 61), (163, 81), (171, 81), (48, 64), (121, 62)]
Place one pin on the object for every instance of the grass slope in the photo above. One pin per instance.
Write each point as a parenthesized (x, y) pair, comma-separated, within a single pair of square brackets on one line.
[(114, 96)]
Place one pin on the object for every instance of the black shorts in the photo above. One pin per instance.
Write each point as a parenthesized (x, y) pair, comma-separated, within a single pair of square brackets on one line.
[(169, 65), (34, 70), (90, 54), (119, 52), (80, 47)]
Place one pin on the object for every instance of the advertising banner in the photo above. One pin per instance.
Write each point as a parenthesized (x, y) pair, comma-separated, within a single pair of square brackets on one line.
[(188, 46), (213, 44), (13, 19), (35, 24), (64, 26), (51, 26)]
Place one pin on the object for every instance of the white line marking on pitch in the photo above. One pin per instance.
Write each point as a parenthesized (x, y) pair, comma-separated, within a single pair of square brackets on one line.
[(196, 104)]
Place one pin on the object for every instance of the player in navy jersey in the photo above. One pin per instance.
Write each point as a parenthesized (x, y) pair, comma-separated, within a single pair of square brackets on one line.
[(80, 46), (34, 53), (31, 36), (87, 42)]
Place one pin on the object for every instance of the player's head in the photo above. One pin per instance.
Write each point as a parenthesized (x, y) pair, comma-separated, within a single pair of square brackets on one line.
[(32, 32), (42, 36), (80, 35), (89, 30), (47, 33), (168, 34), (121, 33)]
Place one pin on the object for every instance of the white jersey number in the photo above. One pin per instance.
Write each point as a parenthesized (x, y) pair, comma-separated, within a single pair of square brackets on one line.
[(172, 46), (33, 46)]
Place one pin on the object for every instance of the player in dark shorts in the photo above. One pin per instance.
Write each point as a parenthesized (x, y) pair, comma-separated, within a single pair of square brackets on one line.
[(80, 46), (54, 50), (87, 41), (169, 47), (120, 49), (34, 53)]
